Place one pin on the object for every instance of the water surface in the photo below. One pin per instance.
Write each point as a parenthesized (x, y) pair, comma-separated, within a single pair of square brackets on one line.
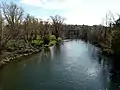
[(74, 65)]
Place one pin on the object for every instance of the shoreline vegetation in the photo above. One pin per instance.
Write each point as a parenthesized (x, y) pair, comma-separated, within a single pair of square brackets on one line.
[(8, 56)]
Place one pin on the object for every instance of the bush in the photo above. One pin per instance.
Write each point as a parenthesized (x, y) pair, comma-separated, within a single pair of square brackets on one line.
[(37, 42), (115, 41), (10, 49), (59, 39), (11, 46), (52, 43), (46, 39), (52, 37)]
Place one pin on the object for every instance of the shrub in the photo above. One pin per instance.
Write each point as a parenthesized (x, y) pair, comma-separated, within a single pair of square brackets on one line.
[(59, 39), (52, 43), (52, 37), (46, 39), (115, 42), (10, 49), (37, 42)]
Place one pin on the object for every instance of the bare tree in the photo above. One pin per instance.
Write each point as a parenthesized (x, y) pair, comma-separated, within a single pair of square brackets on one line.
[(57, 22), (13, 16), (108, 23), (27, 28)]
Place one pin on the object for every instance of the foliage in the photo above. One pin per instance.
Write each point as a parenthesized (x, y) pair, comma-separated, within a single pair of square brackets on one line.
[(52, 43), (53, 40), (59, 39), (115, 41), (52, 37), (37, 42), (46, 39)]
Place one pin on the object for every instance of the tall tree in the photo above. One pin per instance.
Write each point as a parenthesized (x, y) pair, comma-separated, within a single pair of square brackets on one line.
[(13, 16), (57, 23)]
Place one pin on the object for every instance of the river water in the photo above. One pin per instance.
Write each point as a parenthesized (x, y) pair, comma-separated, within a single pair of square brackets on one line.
[(73, 65)]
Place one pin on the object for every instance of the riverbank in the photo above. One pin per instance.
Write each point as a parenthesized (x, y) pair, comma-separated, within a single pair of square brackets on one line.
[(7, 57), (23, 49), (104, 49), (15, 56)]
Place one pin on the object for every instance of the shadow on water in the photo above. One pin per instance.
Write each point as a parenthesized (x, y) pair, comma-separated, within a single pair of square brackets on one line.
[(113, 66), (115, 72)]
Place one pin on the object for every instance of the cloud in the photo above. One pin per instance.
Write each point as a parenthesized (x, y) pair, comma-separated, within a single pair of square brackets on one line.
[(80, 17), (72, 8), (36, 3), (53, 4), (76, 11)]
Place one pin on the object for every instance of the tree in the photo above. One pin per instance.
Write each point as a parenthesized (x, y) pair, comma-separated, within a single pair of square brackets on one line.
[(57, 23), (115, 38), (13, 16), (30, 28)]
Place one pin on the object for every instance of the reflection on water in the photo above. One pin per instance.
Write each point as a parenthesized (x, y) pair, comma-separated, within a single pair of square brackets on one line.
[(73, 65), (115, 73)]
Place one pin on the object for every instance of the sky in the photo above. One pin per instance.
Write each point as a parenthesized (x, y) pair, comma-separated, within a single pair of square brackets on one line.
[(88, 12)]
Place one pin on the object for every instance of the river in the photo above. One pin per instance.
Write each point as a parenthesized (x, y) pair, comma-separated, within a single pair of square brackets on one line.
[(73, 65)]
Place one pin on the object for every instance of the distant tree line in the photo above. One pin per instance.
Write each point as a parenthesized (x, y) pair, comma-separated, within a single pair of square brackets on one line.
[(106, 36)]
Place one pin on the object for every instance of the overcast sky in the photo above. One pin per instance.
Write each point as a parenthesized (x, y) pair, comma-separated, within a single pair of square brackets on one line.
[(88, 12)]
